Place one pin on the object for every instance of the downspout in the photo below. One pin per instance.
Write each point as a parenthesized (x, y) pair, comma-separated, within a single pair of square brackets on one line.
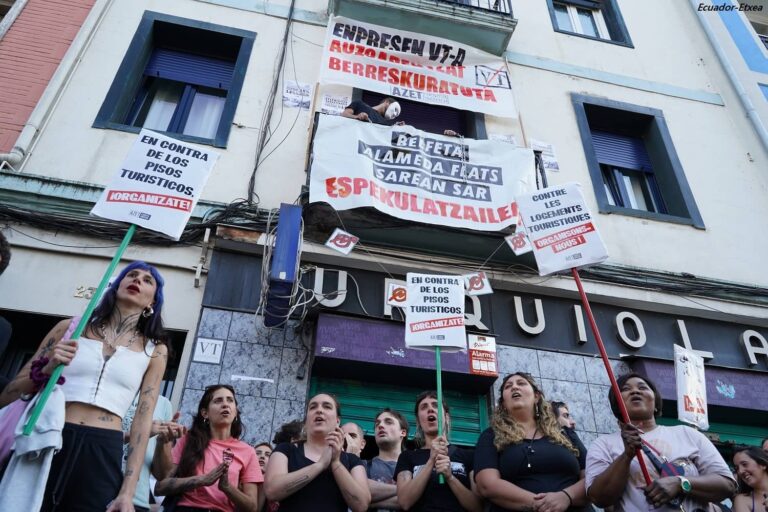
[(56, 85), (746, 102)]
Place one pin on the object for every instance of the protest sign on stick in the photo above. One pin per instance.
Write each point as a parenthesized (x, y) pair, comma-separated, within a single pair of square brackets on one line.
[(563, 235), (434, 320), (691, 388), (156, 187)]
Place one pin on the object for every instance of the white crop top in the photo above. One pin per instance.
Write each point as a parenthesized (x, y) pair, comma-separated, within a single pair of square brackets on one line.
[(110, 384)]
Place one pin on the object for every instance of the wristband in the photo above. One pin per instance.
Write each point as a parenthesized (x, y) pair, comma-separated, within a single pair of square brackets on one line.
[(38, 377), (570, 500)]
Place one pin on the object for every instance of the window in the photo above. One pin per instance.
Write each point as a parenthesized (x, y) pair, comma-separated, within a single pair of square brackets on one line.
[(180, 77), (594, 19), (761, 29), (632, 162), (5, 6)]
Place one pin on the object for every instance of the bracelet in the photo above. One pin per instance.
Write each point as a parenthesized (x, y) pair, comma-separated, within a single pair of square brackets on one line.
[(38, 377), (570, 500)]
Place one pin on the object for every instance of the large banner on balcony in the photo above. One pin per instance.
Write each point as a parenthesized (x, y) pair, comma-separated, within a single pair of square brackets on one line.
[(416, 66), (418, 176)]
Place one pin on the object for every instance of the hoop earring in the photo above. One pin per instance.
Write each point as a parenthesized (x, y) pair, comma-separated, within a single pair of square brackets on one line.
[(148, 311), (537, 411)]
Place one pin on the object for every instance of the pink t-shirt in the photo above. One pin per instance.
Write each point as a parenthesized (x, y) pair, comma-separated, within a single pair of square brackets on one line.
[(244, 469)]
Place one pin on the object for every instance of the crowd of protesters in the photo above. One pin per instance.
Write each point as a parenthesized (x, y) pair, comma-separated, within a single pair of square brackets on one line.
[(106, 442)]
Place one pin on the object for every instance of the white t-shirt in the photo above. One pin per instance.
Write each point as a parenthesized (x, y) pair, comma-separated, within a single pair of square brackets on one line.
[(681, 445)]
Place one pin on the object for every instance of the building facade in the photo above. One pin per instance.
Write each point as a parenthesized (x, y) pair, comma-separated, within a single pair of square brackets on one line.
[(636, 98)]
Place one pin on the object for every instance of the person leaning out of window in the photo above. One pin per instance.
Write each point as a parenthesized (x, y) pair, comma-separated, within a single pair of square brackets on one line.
[(614, 477), (525, 461)]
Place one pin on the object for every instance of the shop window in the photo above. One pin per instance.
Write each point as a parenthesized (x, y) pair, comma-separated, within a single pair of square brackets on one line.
[(180, 77), (594, 19), (433, 118), (632, 161)]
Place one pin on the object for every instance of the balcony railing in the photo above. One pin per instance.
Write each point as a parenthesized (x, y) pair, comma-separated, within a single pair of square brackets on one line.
[(500, 6)]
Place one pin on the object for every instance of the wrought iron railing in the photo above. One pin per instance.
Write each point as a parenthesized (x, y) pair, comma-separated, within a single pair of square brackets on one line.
[(500, 6)]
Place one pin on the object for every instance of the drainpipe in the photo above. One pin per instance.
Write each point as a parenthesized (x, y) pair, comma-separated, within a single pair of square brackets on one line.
[(746, 102), (56, 85)]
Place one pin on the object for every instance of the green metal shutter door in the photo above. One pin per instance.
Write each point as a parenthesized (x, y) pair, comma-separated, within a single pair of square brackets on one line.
[(361, 401)]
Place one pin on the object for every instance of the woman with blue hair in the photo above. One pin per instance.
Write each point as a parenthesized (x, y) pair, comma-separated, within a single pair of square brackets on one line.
[(122, 352)]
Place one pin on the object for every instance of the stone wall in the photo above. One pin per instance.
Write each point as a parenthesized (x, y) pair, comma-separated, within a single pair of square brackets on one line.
[(251, 350)]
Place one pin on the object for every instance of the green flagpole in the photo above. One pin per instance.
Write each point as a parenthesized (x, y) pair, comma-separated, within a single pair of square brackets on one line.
[(48, 389), (438, 367)]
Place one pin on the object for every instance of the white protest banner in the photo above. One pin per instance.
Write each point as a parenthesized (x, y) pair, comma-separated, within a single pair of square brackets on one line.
[(158, 184), (477, 284), (297, 94), (561, 228), (418, 176), (482, 355), (416, 66), (435, 313), (342, 241), (691, 388), (334, 105)]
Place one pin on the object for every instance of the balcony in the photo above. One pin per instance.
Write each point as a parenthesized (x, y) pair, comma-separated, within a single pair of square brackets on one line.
[(484, 24)]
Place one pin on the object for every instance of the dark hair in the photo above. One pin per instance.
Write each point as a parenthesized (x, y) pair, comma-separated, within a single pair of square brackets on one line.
[(335, 402), (263, 443), (151, 327), (556, 406), (400, 420), (199, 435), (756, 454), (623, 380), (5, 253), (288, 432), (419, 437), (389, 99), (763, 441)]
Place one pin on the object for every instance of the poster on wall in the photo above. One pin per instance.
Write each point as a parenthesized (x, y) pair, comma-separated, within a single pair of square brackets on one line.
[(158, 184), (561, 229), (482, 355), (334, 105), (418, 176), (434, 316), (297, 94), (416, 66), (691, 388)]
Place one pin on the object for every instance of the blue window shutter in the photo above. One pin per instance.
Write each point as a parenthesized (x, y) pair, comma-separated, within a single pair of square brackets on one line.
[(190, 68), (621, 151)]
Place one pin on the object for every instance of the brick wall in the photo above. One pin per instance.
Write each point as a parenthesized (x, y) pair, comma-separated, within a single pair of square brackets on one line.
[(30, 52)]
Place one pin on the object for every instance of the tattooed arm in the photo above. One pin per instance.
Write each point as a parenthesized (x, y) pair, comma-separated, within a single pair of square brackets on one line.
[(22, 384), (279, 483), (140, 428), (173, 485)]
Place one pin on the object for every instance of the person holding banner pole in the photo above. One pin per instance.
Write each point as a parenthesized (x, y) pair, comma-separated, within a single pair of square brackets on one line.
[(122, 352), (526, 460), (751, 465), (686, 469), (417, 471)]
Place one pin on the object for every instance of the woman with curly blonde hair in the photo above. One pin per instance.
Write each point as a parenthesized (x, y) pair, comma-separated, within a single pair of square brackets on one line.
[(525, 461)]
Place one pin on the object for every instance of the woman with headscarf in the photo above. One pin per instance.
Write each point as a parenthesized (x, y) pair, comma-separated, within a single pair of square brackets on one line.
[(690, 473), (122, 352), (214, 469), (525, 460), (317, 474), (417, 472)]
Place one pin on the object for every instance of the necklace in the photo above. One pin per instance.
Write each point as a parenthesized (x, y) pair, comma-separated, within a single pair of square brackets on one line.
[(113, 342), (529, 451)]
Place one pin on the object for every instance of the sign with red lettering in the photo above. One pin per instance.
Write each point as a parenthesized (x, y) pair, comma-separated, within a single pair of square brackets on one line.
[(416, 66), (561, 229), (482, 355), (434, 316), (158, 184), (418, 176), (342, 241), (691, 388), (477, 284)]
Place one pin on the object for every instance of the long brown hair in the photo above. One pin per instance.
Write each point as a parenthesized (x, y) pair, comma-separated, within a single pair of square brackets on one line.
[(199, 435), (507, 431)]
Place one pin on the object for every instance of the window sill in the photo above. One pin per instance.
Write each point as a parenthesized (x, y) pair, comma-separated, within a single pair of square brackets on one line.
[(591, 38), (642, 214), (135, 129)]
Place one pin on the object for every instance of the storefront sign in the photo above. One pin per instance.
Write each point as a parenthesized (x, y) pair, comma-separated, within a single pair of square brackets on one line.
[(418, 176), (434, 315), (158, 184), (482, 355), (561, 229), (416, 66), (691, 388)]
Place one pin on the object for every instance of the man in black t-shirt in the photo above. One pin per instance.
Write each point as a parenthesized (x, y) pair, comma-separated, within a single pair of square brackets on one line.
[(384, 113)]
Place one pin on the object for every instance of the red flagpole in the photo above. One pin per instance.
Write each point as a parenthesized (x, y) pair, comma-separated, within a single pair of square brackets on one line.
[(608, 369)]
